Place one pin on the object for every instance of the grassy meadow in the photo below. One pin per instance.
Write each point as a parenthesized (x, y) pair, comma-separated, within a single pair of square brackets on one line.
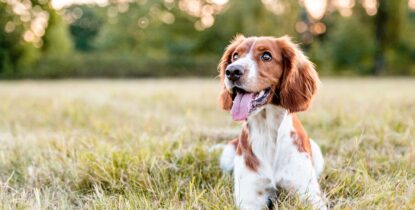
[(144, 144)]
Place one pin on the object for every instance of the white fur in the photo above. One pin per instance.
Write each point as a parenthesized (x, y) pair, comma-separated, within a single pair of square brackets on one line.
[(227, 158), (252, 63), (247, 184), (249, 63), (281, 163), (318, 160)]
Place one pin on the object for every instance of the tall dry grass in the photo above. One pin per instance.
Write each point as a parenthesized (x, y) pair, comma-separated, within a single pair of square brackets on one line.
[(143, 144)]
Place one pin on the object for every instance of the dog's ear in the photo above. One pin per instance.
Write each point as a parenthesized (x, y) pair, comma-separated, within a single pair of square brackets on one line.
[(225, 98), (299, 81)]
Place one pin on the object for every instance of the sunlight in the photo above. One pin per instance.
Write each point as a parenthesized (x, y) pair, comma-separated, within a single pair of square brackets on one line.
[(59, 4), (318, 28), (371, 6), (344, 3), (411, 4), (205, 12), (316, 8), (345, 7), (301, 27), (167, 18), (34, 19), (220, 2), (10, 26), (275, 6)]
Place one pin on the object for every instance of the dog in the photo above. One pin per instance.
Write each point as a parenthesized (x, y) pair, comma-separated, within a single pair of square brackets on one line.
[(264, 82)]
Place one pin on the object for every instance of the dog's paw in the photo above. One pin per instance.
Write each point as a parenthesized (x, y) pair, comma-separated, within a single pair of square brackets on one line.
[(227, 158)]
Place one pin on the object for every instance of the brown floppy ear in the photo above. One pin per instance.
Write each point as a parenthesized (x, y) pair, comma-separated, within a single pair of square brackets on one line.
[(225, 98), (299, 81)]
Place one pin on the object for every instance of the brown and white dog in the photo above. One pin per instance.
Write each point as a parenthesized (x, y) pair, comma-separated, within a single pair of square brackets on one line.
[(265, 81)]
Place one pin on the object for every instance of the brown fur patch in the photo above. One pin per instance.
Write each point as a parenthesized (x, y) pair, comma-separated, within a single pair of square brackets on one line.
[(299, 81), (225, 99), (234, 142), (300, 136), (244, 148)]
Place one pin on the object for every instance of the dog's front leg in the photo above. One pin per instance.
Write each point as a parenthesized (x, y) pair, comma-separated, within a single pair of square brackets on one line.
[(252, 191), (303, 180)]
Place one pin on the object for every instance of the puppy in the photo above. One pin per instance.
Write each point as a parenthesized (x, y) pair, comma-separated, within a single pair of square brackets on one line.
[(265, 81)]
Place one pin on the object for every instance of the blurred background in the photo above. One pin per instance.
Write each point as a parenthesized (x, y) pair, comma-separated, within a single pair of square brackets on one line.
[(165, 38)]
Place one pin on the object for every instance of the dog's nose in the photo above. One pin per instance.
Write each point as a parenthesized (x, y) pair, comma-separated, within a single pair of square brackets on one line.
[(234, 72)]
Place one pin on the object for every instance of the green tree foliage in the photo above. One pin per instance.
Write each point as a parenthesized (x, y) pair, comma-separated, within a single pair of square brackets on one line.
[(20, 47), (394, 30), (251, 19), (56, 40), (15, 54), (169, 38), (85, 28), (344, 51)]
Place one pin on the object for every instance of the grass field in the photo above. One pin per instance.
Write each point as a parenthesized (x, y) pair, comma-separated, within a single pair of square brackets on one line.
[(143, 144)]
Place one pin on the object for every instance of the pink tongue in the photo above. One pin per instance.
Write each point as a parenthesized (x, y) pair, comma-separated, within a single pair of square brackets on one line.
[(241, 106)]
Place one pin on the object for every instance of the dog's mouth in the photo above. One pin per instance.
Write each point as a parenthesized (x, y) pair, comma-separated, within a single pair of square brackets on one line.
[(245, 102)]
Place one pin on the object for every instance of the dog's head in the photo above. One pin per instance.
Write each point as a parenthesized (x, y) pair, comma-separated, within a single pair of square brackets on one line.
[(256, 71)]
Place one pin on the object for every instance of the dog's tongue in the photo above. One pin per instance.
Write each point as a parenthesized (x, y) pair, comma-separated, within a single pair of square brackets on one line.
[(241, 106)]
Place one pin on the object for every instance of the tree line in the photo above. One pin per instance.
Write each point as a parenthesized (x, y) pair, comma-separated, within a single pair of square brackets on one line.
[(186, 37)]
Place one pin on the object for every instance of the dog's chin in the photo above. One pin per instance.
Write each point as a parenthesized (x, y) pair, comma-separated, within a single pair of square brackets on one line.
[(256, 111)]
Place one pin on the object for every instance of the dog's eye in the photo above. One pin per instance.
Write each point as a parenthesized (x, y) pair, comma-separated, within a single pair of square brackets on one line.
[(235, 56), (266, 56)]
